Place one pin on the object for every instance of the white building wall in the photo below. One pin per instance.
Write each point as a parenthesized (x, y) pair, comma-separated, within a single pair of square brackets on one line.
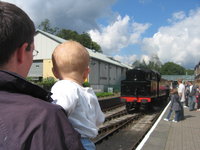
[(119, 74), (104, 76), (45, 46), (112, 74), (94, 72)]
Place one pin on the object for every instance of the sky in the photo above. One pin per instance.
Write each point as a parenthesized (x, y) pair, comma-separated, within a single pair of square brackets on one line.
[(128, 30)]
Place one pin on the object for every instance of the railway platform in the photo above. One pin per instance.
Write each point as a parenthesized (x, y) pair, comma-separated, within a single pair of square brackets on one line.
[(168, 135)]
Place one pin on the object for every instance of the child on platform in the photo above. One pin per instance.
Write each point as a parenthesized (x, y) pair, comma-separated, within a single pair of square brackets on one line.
[(71, 65), (175, 106)]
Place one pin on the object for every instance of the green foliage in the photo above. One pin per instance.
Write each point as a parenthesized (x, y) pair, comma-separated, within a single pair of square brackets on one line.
[(96, 47), (136, 64), (68, 34), (104, 94), (171, 68), (168, 68), (29, 79), (189, 72), (47, 83), (83, 38), (46, 26), (86, 84), (152, 65)]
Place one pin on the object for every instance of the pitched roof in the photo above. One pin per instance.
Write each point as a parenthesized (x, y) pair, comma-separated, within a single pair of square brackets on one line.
[(92, 53), (176, 77)]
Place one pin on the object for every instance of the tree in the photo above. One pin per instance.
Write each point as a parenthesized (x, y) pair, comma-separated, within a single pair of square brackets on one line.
[(189, 72), (83, 38), (45, 26), (137, 63), (153, 64), (96, 47), (171, 68), (68, 34)]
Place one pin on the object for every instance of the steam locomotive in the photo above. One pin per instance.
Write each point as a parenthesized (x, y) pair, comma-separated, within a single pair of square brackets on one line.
[(142, 89)]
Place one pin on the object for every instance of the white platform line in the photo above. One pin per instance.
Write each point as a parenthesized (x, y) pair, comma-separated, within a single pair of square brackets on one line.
[(151, 130)]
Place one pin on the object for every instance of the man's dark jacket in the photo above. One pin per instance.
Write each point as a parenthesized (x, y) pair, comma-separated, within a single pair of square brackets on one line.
[(28, 121)]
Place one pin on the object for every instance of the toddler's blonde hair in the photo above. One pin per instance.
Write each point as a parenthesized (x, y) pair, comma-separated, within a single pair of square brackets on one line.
[(70, 57)]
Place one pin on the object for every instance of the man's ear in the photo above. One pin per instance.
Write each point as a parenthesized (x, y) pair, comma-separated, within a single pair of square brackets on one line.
[(21, 51)]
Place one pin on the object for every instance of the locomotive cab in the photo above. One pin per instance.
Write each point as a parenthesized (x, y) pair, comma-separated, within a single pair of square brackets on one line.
[(140, 88)]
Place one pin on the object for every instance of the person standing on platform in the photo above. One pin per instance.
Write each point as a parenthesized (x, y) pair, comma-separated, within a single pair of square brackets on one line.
[(192, 95), (181, 93), (174, 106), (187, 91), (198, 99)]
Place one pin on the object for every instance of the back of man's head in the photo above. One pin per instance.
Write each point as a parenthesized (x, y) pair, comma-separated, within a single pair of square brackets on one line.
[(16, 28)]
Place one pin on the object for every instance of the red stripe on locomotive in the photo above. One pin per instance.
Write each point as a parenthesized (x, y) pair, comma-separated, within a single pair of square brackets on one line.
[(135, 99), (129, 99)]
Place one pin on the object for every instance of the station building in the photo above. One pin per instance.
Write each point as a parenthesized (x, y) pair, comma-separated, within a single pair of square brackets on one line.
[(197, 74), (197, 71), (105, 72)]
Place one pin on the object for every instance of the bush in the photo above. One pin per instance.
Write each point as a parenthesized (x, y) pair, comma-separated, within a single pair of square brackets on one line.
[(29, 79), (86, 84), (104, 94), (47, 83)]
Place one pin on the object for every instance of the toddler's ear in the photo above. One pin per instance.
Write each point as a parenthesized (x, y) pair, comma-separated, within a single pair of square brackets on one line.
[(55, 73), (86, 72)]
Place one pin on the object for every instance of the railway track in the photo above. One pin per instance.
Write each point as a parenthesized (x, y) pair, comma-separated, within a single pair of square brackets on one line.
[(110, 103), (115, 120), (124, 130), (113, 126)]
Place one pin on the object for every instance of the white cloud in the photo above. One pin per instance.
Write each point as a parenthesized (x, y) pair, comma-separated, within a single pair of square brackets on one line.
[(76, 15), (119, 34), (177, 17), (179, 42), (145, 58), (126, 59)]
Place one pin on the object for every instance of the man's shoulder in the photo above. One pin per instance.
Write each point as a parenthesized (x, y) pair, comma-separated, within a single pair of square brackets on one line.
[(30, 109), (40, 104), (27, 102)]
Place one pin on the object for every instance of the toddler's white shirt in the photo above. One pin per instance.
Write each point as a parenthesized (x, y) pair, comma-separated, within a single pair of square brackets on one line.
[(82, 106)]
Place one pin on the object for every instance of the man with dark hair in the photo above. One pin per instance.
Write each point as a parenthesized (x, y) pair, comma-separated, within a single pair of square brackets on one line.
[(27, 118)]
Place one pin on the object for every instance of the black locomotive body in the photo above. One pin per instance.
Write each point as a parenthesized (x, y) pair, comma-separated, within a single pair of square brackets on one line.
[(143, 88)]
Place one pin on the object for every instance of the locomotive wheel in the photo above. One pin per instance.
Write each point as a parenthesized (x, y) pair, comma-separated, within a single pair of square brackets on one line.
[(129, 108)]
